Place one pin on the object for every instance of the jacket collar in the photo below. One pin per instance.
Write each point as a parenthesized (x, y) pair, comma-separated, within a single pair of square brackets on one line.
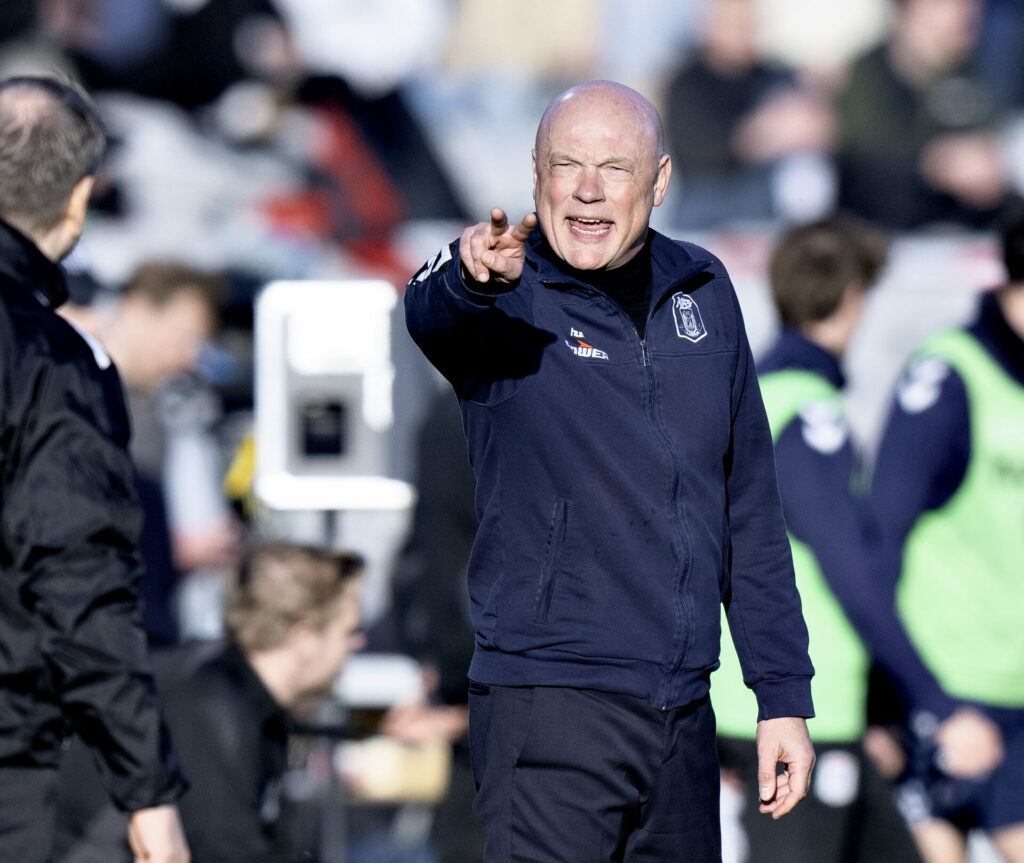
[(24, 265), (671, 264), (793, 350)]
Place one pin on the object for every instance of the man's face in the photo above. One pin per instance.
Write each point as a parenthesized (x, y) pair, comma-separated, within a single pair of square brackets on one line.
[(596, 178), (943, 32), (336, 640), (176, 333)]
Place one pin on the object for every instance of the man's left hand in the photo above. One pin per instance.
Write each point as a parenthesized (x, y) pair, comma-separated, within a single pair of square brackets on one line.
[(783, 740)]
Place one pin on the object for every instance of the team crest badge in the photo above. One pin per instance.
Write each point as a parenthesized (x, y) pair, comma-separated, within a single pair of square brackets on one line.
[(689, 324)]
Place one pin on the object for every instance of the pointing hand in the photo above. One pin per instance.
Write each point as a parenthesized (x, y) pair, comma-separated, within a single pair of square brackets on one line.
[(494, 251)]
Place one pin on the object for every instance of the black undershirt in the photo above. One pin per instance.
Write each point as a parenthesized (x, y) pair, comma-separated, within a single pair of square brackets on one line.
[(628, 285)]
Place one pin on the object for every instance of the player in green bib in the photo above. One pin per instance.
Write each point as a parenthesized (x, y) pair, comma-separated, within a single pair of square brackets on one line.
[(819, 275), (948, 496)]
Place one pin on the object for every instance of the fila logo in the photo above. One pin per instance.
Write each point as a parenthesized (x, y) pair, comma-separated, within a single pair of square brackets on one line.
[(582, 349)]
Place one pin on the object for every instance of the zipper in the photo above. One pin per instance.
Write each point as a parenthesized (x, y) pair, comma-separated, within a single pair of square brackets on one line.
[(682, 603)]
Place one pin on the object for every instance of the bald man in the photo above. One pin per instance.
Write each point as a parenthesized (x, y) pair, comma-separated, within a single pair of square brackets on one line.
[(625, 489)]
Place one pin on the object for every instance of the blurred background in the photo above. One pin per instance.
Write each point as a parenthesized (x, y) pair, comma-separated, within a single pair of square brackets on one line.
[(306, 156)]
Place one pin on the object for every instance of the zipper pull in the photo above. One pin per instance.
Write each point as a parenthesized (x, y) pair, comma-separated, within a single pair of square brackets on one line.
[(643, 352)]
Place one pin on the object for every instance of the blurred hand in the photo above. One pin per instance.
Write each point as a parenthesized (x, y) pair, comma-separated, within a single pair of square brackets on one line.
[(969, 743), (419, 722), (218, 545), (783, 740), (885, 751), (786, 123), (493, 250), (156, 836), (969, 167)]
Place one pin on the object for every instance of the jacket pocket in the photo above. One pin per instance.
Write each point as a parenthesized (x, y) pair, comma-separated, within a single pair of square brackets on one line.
[(552, 560)]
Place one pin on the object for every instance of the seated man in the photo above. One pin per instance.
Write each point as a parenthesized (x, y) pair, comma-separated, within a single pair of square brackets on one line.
[(290, 619)]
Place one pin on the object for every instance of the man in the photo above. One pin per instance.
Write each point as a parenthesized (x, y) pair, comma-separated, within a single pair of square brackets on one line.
[(72, 652), (948, 497), (907, 158), (291, 621), (737, 122), (625, 488), (291, 617), (819, 275)]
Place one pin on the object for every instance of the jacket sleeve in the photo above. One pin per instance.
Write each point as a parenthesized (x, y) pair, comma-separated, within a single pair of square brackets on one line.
[(762, 606), (70, 524), (482, 341), (837, 534)]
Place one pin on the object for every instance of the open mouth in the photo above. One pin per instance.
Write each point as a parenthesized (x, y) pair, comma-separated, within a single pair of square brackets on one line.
[(591, 229)]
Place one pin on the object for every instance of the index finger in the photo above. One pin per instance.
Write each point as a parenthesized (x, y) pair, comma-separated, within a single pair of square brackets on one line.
[(499, 225)]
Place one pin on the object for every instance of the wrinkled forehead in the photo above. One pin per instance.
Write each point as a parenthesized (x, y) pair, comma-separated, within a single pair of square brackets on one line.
[(607, 119)]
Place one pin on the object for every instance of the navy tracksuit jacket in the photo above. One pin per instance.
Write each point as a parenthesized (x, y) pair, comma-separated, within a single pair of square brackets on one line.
[(625, 484)]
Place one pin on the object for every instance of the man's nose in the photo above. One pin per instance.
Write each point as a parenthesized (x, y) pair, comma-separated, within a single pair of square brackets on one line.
[(588, 186)]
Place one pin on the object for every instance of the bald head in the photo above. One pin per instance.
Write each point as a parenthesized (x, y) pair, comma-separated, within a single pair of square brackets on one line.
[(599, 168), (605, 97)]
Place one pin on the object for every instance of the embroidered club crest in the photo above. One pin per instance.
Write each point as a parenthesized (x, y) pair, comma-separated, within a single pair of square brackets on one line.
[(689, 324)]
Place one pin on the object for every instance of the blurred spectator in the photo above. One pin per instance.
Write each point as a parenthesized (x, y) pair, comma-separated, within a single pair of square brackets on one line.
[(820, 274), (375, 47), (154, 332), (747, 138), (138, 45), (918, 129), (115, 36), (948, 497), (291, 621), (431, 616)]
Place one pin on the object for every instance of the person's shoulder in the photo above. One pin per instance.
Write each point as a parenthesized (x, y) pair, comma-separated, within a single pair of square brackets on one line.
[(199, 676), (671, 252), (929, 379), (35, 332), (685, 262)]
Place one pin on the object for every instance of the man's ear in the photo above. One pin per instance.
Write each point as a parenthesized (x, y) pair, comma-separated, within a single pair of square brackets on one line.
[(78, 204), (661, 179)]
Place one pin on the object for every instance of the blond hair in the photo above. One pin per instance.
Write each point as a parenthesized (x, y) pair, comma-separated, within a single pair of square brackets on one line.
[(281, 585)]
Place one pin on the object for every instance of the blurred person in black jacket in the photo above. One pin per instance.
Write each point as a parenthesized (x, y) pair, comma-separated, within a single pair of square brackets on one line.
[(741, 128), (72, 651), (291, 617), (291, 620), (919, 128)]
